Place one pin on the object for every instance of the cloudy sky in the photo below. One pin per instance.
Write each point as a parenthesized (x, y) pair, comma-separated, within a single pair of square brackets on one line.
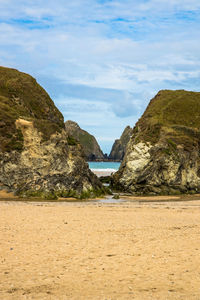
[(101, 61)]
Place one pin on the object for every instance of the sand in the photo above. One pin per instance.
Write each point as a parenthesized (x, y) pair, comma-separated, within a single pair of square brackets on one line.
[(5, 195), (100, 251), (103, 173)]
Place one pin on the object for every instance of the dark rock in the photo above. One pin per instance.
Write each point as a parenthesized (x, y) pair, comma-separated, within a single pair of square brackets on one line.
[(119, 146)]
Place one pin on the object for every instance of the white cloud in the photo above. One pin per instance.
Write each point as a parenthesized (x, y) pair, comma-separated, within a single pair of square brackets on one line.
[(126, 50)]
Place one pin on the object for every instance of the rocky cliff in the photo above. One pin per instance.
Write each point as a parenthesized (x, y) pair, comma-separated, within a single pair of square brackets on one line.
[(35, 155), (90, 146), (163, 155), (119, 146)]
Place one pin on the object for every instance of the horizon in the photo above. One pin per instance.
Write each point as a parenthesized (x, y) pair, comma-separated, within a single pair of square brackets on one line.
[(102, 61)]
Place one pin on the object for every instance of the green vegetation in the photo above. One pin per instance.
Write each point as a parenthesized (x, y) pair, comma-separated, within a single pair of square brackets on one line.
[(105, 179), (88, 141), (166, 151), (14, 142), (92, 193), (37, 194), (54, 195), (119, 146), (71, 141), (172, 144), (125, 137), (175, 107), (171, 116), (116, 196), (22, 97), (67, 194)]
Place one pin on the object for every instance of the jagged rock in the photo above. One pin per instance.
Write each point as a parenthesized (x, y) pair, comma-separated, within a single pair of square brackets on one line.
[(90, 146), (34, 151), (119, 146), (163, 155)]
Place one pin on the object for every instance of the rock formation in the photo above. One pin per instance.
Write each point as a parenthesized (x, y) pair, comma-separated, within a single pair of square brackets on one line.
[(119, 146), (90, 146), (34, 151), (163, 155)]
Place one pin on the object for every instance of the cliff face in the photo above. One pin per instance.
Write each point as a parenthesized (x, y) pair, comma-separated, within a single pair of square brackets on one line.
[(90, 146), (163, 155), (34, 151), (119, 146)]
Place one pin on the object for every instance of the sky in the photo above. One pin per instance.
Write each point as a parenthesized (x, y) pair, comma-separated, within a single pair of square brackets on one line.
[(101, 61)]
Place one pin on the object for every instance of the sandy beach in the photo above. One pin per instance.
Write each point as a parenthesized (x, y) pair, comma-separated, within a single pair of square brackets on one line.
[(94, 250), (103, 173)]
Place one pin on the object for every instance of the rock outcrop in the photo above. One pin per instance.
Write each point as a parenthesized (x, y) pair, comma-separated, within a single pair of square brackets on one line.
[(119, 146), (90, 146), (163, 155), (34, 151)]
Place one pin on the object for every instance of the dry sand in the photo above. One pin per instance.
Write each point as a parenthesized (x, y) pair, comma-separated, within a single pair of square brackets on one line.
[(100, 251)]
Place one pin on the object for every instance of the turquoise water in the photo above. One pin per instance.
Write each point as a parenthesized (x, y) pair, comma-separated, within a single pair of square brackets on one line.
[(104, 165)]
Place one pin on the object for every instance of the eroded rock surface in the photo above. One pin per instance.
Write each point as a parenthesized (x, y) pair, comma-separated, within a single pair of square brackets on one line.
[(163, 155), (34, 151)]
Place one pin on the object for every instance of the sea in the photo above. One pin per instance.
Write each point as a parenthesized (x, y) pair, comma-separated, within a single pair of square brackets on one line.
[(104, 166)]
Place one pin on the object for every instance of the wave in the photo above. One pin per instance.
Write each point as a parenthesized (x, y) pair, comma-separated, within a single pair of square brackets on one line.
[(104, 170)]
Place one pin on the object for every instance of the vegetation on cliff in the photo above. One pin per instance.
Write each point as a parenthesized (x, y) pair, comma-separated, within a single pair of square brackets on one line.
[(22, 96), (163, 155), (119, 146), (36, 155), (173, 115), (90, 146)]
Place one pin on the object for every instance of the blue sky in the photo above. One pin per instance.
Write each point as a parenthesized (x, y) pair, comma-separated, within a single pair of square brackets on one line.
[(102, 61)]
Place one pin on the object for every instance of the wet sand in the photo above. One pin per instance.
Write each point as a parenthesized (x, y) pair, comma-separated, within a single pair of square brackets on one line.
[(5, 195), (127, 250), (103, 173)]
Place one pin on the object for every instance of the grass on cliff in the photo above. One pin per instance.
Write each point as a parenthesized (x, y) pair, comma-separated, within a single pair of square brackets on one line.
[(173, 114), (87, 140), (175, 108), (125, 137), (22, 97), (71, 141)]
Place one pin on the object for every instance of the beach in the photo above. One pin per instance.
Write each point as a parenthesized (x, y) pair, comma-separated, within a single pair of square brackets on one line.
[(95, 250), (103, 173), (104, 168)]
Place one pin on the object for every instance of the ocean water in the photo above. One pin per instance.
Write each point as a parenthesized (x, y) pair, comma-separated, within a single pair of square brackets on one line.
[(104, 166)]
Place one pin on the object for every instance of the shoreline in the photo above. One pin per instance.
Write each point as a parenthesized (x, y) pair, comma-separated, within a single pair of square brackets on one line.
[(103, 173), (108, 160), (10, 197)]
